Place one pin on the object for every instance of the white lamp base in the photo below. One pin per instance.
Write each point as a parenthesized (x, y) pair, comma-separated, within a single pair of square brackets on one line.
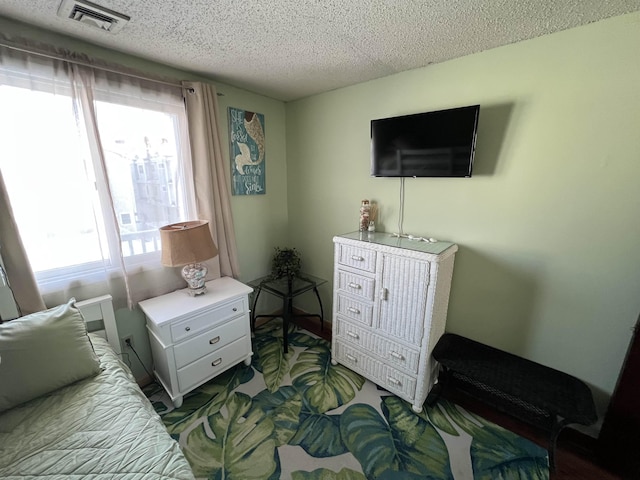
[(194, 274)]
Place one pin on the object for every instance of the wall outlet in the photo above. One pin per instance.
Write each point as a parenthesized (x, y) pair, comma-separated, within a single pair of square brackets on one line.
[(123, 341)]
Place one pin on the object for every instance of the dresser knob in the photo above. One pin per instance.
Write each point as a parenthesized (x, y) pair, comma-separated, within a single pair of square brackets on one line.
[(357, 258), (352, 358), (354, 285), (216, 362), (353, 310), (353, 335), (188, 329), (235, 309)]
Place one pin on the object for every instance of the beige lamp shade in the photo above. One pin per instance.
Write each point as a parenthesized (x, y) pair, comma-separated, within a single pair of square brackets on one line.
[(185, 243)]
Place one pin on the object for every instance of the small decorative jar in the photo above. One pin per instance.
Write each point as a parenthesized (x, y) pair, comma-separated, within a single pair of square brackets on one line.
[(365, 211)]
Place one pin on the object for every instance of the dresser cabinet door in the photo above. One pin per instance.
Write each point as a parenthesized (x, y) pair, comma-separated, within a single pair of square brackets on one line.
[(402, 298)]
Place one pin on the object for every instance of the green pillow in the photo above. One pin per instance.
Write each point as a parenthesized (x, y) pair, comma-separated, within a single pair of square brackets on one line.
[(42, 352)]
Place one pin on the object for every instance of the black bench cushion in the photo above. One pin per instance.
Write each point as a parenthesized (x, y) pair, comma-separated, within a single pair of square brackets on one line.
[(546, 388)]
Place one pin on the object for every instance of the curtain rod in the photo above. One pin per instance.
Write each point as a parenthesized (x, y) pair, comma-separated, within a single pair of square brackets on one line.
[(98, 67)]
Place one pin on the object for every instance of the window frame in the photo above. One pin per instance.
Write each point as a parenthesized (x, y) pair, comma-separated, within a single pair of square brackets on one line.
[(56, 279)]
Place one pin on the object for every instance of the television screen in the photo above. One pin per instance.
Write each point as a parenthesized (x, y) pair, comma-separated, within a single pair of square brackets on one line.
[(431, 144)]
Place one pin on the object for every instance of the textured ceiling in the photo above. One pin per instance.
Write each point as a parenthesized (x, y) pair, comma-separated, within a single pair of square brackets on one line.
[(289, 49)]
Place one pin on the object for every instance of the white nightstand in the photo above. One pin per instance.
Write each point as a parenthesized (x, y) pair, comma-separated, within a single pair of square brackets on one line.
[(194, 339)]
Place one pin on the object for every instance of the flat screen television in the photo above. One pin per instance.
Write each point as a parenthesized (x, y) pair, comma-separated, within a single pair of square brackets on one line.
[(430, 144)]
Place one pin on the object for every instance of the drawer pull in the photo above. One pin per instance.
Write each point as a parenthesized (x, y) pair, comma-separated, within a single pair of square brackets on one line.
[(353, 335), (384, 293), (352, 358), (235, 309), (397, 356), (394, 381), (187, 329), (354, 310), (213, 341), (357, 258), (216, 362), (354, 285)]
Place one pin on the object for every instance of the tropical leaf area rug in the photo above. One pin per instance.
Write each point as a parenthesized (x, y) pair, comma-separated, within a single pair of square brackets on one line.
[(297, 416)]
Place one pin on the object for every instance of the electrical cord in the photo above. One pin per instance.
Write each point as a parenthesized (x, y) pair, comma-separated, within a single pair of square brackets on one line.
[(128, 343), (401, 210)]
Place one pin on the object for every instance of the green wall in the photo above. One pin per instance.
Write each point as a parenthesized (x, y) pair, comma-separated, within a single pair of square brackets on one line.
[(548, 226)]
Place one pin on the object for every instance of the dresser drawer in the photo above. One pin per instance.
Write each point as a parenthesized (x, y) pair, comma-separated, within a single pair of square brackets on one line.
[(393, 380), (393, 353), (207, 319), (355, 310), (211, 340), (355, 284), (211, 365), (355, 257)]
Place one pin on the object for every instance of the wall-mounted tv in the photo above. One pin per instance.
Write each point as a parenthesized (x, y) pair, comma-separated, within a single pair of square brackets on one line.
[(430, 144)]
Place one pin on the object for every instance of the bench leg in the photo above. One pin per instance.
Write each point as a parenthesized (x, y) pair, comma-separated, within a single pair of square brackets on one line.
[(438, 388), (434, 395), (557, 427)]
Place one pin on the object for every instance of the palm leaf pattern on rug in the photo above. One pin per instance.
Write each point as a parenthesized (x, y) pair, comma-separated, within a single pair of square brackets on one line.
[(297, 416)]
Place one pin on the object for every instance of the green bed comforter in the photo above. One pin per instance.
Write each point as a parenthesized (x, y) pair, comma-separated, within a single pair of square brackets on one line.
[(98, 428)]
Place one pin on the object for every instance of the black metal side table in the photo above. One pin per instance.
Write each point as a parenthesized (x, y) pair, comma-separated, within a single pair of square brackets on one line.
[(287, 289)]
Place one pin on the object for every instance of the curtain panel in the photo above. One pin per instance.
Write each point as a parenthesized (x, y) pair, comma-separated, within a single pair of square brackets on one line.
[(23, 283), (212, 193)]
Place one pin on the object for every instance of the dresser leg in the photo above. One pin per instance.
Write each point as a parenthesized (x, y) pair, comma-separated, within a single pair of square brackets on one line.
[(177, 402), (416, 408), (247, 361), (333, 362)]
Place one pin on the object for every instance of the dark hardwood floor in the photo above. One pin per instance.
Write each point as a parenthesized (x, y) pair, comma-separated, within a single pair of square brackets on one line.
[(575, 455)]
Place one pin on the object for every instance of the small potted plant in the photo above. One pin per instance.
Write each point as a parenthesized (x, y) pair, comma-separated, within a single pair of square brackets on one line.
[(285, 263)]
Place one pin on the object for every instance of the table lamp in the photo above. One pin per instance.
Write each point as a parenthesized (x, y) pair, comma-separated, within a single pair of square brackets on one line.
[(186, 244)]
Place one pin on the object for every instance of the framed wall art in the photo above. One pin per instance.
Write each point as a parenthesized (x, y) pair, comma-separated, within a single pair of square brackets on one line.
[(246, 136)]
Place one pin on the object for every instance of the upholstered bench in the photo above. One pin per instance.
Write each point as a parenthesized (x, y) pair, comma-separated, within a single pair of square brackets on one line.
[(527, 390)]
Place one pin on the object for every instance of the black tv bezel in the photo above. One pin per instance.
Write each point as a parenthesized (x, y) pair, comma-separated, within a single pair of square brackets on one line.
[(471, 158)]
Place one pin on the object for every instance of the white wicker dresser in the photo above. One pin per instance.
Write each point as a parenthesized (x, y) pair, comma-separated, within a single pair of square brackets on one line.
[(390, 301)]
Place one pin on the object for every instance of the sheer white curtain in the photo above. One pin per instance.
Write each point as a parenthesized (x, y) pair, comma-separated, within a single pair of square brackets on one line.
[(93, 162)]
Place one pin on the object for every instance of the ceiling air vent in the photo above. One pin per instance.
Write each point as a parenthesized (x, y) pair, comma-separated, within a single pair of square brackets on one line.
[(93, 15)]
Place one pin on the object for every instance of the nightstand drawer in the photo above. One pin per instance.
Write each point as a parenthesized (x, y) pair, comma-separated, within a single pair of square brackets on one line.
[(204, 320), (209, 366), (210, 341)]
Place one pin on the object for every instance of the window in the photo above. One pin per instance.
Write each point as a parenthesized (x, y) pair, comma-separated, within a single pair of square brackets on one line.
[(59, 194)]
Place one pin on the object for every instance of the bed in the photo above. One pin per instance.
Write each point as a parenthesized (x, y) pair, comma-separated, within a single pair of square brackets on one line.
[(98, 426)]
